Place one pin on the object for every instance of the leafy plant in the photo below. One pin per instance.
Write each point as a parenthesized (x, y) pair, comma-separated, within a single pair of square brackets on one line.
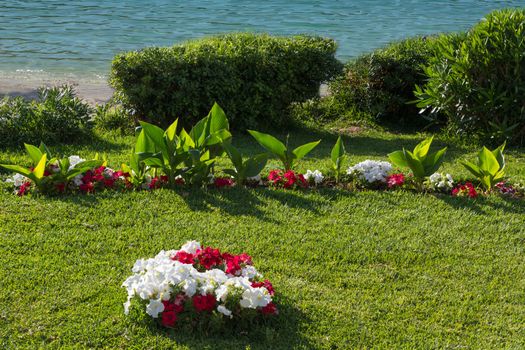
[(419, 161), (478, 80), (337, 155), (490, 167), (280, 150), (48, 170), (244, 169)]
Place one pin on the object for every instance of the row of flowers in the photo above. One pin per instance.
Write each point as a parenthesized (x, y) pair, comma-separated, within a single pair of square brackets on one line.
[(369, 174), (194, 283)]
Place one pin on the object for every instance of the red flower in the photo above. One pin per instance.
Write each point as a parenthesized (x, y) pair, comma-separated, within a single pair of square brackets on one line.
[(109, 182), (223, 182), (169, 318), (266, 284), (290, 177), (87, 187), (88, 177), (209, 257), (270, 309), (395, 180), (303, 182), (60, 187), (24, 188), (204, 302), (183, 257), (465, 190), (274, 176)]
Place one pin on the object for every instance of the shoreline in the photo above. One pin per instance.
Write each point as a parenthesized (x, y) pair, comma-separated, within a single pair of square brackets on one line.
[(92, 91)]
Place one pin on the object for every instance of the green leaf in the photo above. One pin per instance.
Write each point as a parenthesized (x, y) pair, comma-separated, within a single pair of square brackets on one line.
[(498, 153), (218, 119), (270, 143), (473, 168), (338, 153), (414, 164), (154, 162), (398, 159), (40, 167), (17, 169), (433, 161), (253, 166), (421, 150), (186, 140), (234, 155), (171, 131), (303, 150), (155, 134), (488, 162), (43, 148), (34, 153), (144, 143), (89, 164)]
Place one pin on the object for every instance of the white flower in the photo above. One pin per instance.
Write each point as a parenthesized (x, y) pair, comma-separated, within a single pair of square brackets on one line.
[(191, 247), (255, 178), (249, 271), (127, 304), (441, 181), (17, 180), (371, 170), (223, 310), (154, 308), (316, 175), (74, 160), (253, 298)]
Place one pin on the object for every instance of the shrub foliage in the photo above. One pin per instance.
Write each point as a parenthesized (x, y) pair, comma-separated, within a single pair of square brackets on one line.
[(57, 116), (255, 77), (479, 82)]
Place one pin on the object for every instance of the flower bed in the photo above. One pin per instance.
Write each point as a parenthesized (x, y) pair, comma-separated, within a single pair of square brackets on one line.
[(194, 284)]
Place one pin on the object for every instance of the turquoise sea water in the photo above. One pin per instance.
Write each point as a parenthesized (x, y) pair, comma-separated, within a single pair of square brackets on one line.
[(79, 37)]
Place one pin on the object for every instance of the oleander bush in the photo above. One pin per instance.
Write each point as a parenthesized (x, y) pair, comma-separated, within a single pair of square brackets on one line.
[(253, 76), (479, 82), (57, 116)]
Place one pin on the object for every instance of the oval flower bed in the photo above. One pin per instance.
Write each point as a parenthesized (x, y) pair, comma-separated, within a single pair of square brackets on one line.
[(194, 284)]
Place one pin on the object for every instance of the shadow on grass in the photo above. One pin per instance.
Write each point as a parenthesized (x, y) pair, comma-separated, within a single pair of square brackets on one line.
[(276, 332), (480, 204)]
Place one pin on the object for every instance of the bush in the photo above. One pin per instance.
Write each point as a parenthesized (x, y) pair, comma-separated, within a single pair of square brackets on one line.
[(112, 116), (254, 77), (479, 82), (58, 116), (381, 83)]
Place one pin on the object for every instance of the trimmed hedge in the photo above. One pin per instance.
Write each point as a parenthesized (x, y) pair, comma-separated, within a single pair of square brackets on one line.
[(57, 116), (255, 77), (479, 82)]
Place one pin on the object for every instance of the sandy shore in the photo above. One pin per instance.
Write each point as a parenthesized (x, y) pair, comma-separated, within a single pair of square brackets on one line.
[(94, 92)]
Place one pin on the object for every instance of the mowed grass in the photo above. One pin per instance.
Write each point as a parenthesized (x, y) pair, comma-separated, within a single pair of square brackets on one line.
[(352, 269)]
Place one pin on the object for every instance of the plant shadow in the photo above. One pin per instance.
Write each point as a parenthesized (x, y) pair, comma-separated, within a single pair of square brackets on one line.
[(480, 204), (282, 331)]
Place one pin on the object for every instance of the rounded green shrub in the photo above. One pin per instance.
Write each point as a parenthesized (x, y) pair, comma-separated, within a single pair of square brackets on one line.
[(254, 77), (478, 82), (57, 116), (382, 83)]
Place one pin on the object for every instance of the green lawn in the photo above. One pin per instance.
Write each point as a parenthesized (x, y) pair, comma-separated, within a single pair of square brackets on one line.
[(352, 269)]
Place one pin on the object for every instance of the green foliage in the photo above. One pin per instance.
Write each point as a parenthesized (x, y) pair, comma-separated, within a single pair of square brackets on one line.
[(189, 155), (280, 150), (419, 161), (244, 169), (254, 77), (381, 84), (478, 80), (58, 116), (490, 167), (337, 156), (113, 116)]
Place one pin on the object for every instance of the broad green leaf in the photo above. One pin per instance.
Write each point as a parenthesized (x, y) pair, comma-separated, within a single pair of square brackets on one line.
[(34, 153), (89, 164), (144, 144), (414, 164), (303, 150), (234, 155), (337, 153), (200, 131), (217, 137), (498, 153), (421, 150), (473, 168), (218, 119), (253, 166), (270, 143), (17, 169), (488, 162), (171, 131), (231, 172), (155, 134), (154, 162), (40, 167), (398, 159), (433, 161), (186, 140), (43, 148)]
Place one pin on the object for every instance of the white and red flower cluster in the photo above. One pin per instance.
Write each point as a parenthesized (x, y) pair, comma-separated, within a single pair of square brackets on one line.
[(198, 280)]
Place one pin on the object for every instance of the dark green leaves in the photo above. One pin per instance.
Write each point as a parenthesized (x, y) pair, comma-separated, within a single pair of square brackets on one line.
[(419, 161), (337, 156)]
